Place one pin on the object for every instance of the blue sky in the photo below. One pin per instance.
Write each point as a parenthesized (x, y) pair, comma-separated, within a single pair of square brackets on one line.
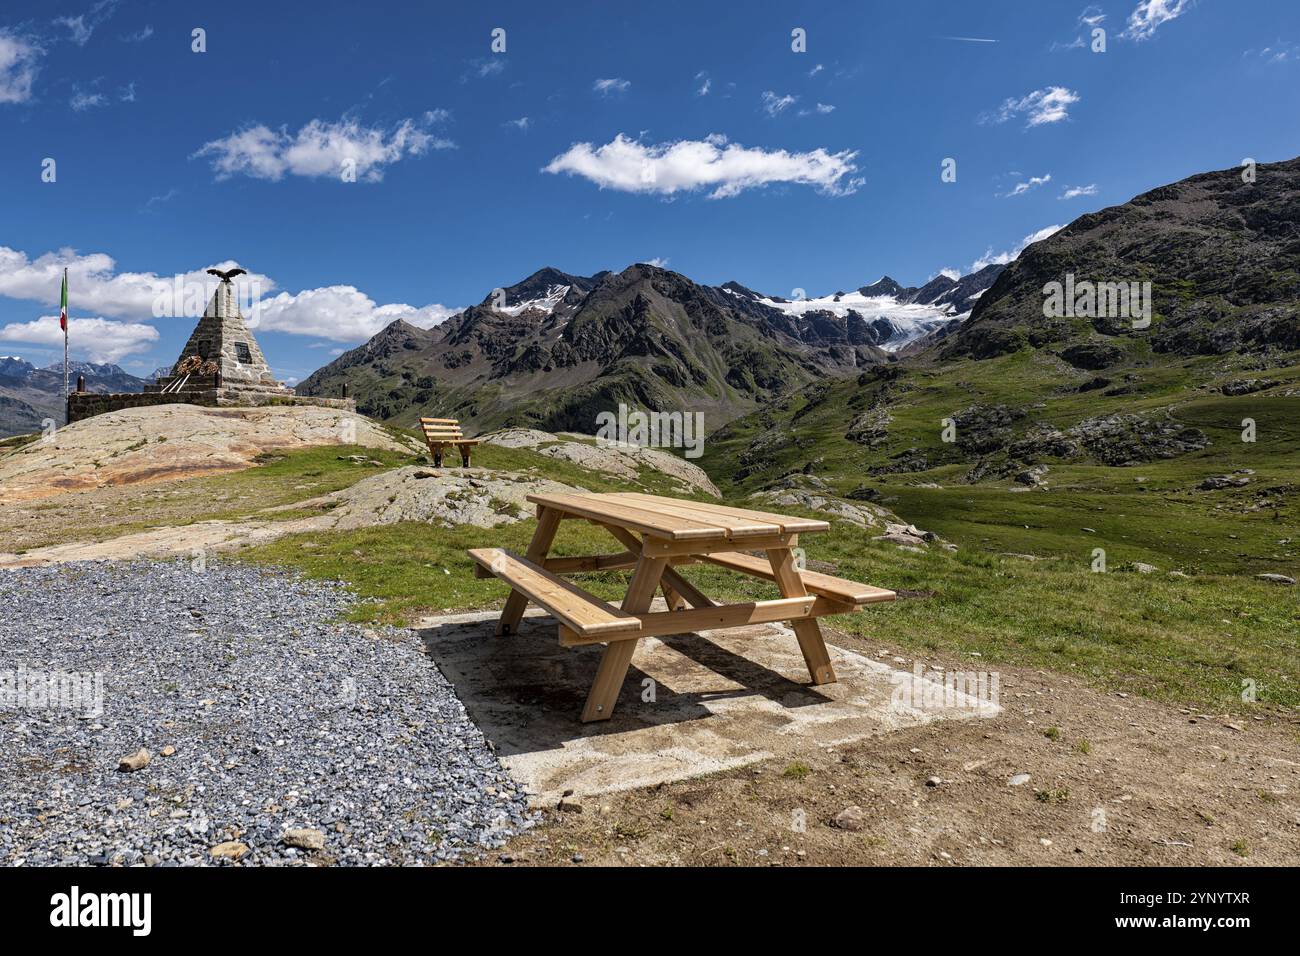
[(604, 134)]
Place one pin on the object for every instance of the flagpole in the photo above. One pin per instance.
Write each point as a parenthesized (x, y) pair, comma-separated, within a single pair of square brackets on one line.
[(67, 408)]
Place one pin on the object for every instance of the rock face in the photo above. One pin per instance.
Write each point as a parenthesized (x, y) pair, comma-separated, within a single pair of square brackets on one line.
[(621, 461), (142, 445), (1222, 255), (29, 395)]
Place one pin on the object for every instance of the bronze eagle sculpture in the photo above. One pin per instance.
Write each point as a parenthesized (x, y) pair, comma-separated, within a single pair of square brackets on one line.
[(227, 276)]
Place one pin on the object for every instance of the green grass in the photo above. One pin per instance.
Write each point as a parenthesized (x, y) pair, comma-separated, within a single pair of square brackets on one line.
[(1181, 640)]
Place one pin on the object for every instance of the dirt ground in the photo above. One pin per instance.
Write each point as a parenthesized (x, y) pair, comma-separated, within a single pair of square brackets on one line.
[(1112, 781)]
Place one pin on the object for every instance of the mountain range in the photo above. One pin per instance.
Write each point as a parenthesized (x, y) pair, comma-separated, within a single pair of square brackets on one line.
[(29, 395), (554, 350)]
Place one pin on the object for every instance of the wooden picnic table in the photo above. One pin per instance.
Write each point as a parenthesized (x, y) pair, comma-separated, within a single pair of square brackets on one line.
[(660, 534)]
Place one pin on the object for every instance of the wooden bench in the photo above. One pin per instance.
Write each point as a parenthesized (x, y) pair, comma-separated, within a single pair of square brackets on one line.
[(441, 432), (577, 610)]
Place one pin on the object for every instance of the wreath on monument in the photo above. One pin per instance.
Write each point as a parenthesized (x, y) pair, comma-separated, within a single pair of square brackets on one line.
[(195, 365)]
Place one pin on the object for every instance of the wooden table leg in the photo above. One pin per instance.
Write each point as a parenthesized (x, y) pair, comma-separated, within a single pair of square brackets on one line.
[(548, 522), (617, 655), (673, 582), (807, 631), (674, 600)]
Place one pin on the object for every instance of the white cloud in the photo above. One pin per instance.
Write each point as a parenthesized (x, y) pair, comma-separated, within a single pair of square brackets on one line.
[(139, 36), (706, 84), (82, 101), (340, 312), (520, 124), (480, 69), (1074, 192), (952, 274), (1148, 16), (1092, 16), (1051, 104), (127, 93), (1033, 182), (99, 339), (94, 284), (659, 261), (320, 148), (612, 85), (82, 27), (1002, 258), (713, 163), (816, 69), (774, 105), (18, 66)]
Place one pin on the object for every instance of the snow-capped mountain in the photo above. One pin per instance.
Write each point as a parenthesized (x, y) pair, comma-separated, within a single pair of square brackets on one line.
[(896, 315)]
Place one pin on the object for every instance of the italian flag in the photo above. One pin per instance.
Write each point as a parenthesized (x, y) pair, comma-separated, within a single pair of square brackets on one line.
[(63, 303)]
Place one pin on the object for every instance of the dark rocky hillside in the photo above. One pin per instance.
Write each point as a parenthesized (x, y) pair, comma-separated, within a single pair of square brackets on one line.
[(1222, 256)]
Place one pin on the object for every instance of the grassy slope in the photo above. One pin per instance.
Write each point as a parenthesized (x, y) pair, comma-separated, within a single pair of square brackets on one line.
[(1191, 641), (1162, 520)]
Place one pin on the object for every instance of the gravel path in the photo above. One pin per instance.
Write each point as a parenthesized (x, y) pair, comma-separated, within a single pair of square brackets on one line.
[(281, 719)]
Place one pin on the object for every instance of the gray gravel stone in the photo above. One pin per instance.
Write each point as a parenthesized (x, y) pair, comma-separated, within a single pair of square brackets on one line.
[(281, 715)]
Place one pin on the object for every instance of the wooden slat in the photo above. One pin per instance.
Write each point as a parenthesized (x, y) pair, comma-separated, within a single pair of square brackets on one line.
[(439, 421), (698, 547), (837, 589), (639, 518), (578, 611), (736, 526), (787, 524), (710, 618)]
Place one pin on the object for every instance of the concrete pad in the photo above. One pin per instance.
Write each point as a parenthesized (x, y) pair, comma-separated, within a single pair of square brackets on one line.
[(692, 704)]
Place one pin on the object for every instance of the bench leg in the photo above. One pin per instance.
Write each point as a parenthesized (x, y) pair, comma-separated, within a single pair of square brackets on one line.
[(617, 656), (807, 631), (437, 456), (464, 456), (548, 522)]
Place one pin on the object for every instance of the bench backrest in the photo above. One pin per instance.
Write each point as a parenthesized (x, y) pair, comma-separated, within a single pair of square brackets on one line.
[(441, 429)]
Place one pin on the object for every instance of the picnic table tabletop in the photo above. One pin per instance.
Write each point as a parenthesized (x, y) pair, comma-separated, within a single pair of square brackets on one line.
[(677, 519)]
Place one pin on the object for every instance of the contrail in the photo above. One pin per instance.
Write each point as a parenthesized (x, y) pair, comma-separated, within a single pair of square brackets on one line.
[(969, 39)]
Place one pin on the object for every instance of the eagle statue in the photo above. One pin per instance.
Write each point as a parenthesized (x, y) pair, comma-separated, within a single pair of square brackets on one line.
[(228, 275)]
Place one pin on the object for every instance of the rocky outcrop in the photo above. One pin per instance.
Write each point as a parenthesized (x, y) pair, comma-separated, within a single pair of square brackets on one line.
[(167, 442)]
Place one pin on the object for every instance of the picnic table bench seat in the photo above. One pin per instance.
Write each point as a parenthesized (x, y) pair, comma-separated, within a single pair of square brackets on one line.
[(442, 432), (577, 609)]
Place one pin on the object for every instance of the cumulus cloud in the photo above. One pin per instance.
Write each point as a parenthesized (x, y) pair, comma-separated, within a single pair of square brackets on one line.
[(1149, 15), (712, 163), (1002, 258), (952, 274), (19, 62), (339, 312), (1033, 182), (1051, 104), (774, 105), (322, 148), (612, 85), (1074, 192), (98, 339)]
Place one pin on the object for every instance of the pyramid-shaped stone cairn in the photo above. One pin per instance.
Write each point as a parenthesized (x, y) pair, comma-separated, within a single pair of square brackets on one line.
[(222, 344)]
